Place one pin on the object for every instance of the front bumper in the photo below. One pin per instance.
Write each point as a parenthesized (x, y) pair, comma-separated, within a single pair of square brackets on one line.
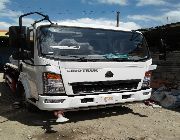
[(75, 102)]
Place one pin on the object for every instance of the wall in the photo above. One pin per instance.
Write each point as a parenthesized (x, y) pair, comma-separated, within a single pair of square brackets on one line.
[(167, 71)]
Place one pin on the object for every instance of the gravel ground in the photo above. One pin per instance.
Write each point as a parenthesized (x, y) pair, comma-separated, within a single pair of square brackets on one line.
[(127, 122)]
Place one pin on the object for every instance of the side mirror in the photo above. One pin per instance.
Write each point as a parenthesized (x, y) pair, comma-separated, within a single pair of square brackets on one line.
[(16, 38)]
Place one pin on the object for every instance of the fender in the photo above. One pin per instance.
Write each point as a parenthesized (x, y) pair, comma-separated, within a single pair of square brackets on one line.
[(25, 83)]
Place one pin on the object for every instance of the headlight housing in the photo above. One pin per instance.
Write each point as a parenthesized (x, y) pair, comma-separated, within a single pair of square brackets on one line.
[(53, 83), (147, 80)]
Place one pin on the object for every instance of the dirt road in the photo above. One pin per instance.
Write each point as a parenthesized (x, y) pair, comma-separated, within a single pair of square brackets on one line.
[(128, 122)]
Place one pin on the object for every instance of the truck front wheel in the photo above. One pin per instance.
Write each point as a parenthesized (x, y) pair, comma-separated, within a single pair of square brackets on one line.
[(21, 98)]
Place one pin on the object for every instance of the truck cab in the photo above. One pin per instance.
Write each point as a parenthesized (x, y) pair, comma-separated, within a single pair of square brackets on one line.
[(74, 67)]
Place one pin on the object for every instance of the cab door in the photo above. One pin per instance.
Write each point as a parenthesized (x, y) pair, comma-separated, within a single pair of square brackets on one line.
[(28, 67)]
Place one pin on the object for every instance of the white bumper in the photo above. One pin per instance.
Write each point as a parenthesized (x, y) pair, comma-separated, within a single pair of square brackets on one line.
[(75, 102)]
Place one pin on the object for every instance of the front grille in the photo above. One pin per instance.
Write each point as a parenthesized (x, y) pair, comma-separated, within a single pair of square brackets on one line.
[(104, 86)]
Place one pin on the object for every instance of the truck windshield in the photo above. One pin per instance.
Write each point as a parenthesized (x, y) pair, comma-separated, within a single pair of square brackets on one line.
[(92, 44)]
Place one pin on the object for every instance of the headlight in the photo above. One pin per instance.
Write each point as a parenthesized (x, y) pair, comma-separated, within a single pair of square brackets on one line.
[(53, 83), (147, 80)]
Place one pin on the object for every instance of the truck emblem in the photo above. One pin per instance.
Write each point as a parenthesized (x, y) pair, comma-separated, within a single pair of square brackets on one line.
[(109, 74)]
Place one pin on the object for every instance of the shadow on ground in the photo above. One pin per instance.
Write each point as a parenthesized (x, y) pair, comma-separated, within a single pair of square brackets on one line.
[(46, 119)]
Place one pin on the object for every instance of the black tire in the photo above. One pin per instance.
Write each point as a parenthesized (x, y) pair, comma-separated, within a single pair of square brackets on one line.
[(20, 94), (6, 84), (5, 81), (31, 108)]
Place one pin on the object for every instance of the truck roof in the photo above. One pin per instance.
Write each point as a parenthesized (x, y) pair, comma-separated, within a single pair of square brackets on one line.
[(93, 26)]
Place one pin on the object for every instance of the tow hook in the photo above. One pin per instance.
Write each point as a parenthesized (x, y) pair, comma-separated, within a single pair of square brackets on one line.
[(60, 116)]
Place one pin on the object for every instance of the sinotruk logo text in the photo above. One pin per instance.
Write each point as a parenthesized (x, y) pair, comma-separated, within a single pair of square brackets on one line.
[(83, 70)]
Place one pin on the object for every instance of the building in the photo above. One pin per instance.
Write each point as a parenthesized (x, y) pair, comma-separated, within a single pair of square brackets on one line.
[(3, 32), (165, 41), (170, 33)]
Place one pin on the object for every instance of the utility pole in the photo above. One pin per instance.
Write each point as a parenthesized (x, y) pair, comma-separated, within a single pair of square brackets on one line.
[(118, 13), (167, 18)]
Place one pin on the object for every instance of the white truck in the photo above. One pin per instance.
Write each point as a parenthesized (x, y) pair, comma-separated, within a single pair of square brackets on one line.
[(72, 67)]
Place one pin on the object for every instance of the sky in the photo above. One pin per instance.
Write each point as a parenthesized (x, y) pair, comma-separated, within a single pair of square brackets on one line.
[(134, 14)]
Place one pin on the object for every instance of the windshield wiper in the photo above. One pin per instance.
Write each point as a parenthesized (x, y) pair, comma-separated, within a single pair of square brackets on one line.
[(120, 59), (85, 59), (70, 58), (80, 58)]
